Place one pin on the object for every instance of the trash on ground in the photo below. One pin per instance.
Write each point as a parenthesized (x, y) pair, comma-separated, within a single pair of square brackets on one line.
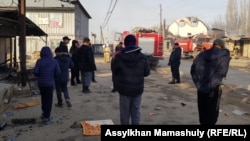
[(24, 121), (238, 112), (157, 108), (244, 94), (152, 113), (25, 105), (3, 125), (8, 114), (183, 104), (93, 128)]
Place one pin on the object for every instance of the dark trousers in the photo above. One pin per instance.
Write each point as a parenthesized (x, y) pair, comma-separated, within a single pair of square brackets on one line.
[(175, 72), (75, 74), (208, 106), (93, 76), (62, 88), (47, 100)]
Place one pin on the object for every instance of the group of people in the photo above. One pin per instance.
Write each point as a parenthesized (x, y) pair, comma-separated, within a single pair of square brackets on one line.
[(53, 72), (129, 68)]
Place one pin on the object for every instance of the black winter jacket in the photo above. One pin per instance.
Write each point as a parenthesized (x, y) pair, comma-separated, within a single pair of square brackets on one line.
[(129, 70), (65, 64), (86, 60), (209, 68)]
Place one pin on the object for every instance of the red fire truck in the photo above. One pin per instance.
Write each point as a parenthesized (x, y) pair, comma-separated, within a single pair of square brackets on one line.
[(193, 45), (151, 44)]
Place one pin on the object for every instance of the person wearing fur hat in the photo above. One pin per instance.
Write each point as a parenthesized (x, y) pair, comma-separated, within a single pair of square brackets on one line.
[(129, 68)]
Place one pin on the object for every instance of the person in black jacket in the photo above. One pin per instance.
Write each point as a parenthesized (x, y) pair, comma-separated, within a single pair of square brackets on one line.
[(174, 63), (207, 71), (75, 72), (61, 80), (86, 63), (63, 45), (129, 68)]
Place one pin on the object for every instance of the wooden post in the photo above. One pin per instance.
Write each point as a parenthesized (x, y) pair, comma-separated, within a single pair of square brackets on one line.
[(22, 39)]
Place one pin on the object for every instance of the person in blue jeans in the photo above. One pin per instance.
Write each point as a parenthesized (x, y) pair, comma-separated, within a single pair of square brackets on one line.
[(46, 69), (129, 68), (87, 64), (61, 81)]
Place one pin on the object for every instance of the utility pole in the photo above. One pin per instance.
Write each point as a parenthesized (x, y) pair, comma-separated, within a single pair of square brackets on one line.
[(101, 39), (160, 19), (22, 39)]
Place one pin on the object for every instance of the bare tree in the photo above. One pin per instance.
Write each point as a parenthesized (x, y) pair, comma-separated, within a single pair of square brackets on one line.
[(238, 17), (219, 23), (232, 17), (242, 23), (248, 18)]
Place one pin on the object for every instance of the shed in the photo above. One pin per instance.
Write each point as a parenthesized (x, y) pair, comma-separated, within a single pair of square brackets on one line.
[(9, 24)]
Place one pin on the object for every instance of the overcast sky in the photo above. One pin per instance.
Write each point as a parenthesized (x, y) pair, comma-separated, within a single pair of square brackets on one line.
[(128, 14)]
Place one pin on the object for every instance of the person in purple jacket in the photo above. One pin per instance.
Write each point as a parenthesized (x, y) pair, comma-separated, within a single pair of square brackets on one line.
[(46, 68)]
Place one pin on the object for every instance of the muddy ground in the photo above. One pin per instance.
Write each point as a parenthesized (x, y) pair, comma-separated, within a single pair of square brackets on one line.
[(162, 104)]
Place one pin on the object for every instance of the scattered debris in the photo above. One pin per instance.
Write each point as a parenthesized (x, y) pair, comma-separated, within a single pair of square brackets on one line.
[(75, 125), (92, 128), (25, 105), (238, 112), (151, 113), (24, 121), (8, 114), (3, 125), (183, 104), (157, 108), (244, 94)]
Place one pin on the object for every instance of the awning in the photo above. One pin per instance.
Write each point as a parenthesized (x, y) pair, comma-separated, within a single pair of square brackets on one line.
[(9, 25)]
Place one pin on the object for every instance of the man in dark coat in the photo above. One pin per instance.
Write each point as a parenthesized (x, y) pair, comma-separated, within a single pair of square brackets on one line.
[(64, 44), (86, 65), (174, 63), (129, 68), (207, 71), (75, 72)]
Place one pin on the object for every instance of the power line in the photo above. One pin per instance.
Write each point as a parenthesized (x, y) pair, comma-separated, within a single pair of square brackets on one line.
[(109, 13)]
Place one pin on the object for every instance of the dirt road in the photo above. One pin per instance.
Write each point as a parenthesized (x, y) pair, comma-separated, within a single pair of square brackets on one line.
[(162, 104)]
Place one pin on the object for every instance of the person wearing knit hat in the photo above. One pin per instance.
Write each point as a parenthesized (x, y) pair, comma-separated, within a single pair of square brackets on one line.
[(129, 68), (130, 44)]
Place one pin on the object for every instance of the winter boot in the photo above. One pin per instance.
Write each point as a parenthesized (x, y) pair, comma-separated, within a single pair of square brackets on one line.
[(172, 81)]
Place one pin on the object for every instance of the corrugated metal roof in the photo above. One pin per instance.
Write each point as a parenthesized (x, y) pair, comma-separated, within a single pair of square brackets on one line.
[(9, 20), (54, 4)]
